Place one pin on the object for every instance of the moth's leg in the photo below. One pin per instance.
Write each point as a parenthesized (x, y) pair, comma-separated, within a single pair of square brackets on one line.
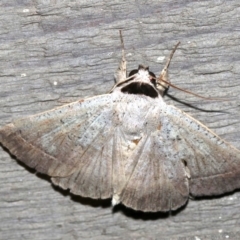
[(121, 73), (162, 86)]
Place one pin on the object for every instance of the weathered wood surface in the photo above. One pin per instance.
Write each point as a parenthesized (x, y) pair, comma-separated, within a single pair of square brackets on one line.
[(52, 52)]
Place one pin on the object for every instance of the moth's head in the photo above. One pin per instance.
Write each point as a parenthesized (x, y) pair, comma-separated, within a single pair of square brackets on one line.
[(141, 81), (143, 73)]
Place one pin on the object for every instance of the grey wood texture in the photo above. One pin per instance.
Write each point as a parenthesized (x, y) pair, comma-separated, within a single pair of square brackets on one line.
[(53, 52)]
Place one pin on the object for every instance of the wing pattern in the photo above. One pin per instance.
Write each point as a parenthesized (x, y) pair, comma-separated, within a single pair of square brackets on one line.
[(148, 155), (214, 164)]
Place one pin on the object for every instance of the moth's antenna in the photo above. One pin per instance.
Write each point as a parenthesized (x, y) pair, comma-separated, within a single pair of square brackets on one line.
[(167, 83), (122, 43), (170, 58), (121, 73), (162, 81)]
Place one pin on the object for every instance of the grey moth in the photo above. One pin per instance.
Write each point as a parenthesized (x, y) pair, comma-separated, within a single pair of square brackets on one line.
[(128, 145)]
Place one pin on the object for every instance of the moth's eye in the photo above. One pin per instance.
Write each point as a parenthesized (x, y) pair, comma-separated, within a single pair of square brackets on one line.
[(153, 81), (152, 74), (152, 78), (134, 71)]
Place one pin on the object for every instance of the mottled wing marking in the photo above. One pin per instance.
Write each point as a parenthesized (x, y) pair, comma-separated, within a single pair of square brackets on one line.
[(93, 174), (51, 142), (144, 153), (152, 187), (119, 161), (214, 164)]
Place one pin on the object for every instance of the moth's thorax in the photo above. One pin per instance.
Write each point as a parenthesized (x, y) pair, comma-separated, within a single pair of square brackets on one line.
[(143, 76), (142, 83)]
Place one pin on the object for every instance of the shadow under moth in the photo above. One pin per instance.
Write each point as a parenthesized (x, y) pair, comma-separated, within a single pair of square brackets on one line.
[(128, 145)]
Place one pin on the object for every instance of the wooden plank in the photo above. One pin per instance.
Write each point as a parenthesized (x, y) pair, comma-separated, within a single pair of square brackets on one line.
[(51, 53)]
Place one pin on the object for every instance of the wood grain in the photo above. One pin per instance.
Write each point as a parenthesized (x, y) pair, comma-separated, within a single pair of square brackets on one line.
[(52, 53)]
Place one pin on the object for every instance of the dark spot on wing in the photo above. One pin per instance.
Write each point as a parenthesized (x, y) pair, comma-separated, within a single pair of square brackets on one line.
[(136, 141)]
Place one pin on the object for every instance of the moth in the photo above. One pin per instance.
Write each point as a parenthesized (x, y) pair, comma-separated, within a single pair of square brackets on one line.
[(128, 145)]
